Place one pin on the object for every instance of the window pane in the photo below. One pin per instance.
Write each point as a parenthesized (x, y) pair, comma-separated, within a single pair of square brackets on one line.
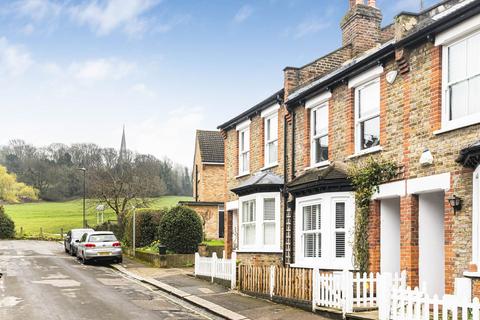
[(369, 100), (458, 100), (340, 215), (309, 245), (272, 152), (269, 233), (248, 208), (245, 162), (249, 234), (318, 216), (474, 55), (457, 66), (273, 128), (269, 209), (340, 244), (307, 218), (320, 148), (370, 133), (319, 242), (320, 120), (474, 95)]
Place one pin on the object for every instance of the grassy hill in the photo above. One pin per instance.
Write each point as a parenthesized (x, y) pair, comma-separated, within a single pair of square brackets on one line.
[(51, 216)]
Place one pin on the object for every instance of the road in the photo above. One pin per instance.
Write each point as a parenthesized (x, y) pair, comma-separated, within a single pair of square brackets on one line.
[(40, 281)]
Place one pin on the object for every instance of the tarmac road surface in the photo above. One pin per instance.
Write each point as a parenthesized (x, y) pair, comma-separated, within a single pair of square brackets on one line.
[(40, 281)]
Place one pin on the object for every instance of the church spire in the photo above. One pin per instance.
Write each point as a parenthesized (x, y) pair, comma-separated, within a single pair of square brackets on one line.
[(123, 146)]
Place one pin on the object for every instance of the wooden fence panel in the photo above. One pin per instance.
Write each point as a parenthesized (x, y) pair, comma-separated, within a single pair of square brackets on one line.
[(290, 283)]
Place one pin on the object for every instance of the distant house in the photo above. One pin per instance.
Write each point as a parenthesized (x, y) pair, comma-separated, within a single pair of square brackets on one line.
[(208, 177)]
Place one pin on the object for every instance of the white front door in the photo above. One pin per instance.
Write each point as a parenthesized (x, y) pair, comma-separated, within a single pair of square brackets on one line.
[(431, 263), (390, 235)]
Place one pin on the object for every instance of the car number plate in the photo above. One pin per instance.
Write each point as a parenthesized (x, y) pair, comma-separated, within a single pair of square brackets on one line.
[(104, 253)]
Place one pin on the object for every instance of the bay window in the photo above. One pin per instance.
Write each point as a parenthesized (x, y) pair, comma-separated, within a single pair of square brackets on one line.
[(260, 222), (324, 230), (367, 115)]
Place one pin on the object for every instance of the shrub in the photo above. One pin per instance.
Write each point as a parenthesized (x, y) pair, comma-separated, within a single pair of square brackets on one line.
[(108, 226), (147, 221), (7, 226), (180, 230)]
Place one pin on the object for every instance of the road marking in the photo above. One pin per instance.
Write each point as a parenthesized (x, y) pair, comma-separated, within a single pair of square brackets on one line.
[(10, 301), (60, 283)]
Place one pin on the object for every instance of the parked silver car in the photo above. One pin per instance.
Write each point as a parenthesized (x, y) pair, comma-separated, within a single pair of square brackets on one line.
[(99, 246), (72, 238)]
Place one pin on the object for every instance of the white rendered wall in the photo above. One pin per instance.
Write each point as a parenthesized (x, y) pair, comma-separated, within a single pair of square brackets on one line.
[(390, 235), (431, 242)]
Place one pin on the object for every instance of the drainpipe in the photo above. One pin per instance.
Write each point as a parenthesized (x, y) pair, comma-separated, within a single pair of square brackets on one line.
[(284, 191), (196, 183), (293, 169)]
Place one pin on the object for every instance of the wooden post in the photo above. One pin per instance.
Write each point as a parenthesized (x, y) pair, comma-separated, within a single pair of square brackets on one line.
[(21, 232), (234, 270), (61, 233), (214, 265), (41, 233)]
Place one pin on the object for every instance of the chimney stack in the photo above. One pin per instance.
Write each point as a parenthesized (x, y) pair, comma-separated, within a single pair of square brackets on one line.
[(361, 26)]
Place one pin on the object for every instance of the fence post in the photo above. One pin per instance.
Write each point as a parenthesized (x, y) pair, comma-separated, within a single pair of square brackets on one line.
[(384, 294), (41, 233), (214, 265), (347, 289), (197, 263), (272, 280), (61, 233), (315, 288), (21, 232), (234, 270)]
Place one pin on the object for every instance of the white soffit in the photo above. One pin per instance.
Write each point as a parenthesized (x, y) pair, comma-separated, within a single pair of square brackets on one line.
[(460, 30), (318, 99), (232, 205), (365, 76), (243, 125), (438, 182), (391, 190), (270, 110)]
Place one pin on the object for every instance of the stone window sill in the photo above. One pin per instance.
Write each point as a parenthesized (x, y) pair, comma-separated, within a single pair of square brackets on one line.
[(242, 175), (269, 166), (365, 152)]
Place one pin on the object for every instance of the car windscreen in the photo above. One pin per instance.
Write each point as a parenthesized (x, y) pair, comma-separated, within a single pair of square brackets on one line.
[(77, 234), (102, 238)]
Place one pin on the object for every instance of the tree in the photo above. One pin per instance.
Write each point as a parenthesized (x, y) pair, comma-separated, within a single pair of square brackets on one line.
[(13, 191), (121, 185)]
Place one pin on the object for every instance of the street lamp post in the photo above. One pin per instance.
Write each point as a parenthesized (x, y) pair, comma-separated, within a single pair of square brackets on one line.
[(84, 195)]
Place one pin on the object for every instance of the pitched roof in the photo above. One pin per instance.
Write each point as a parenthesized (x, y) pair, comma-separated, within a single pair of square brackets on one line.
[(263, 181), (253, 110), (211, 146), (327, 179)]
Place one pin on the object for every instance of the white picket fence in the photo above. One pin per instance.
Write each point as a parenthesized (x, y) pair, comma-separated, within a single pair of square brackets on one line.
[(348, 290), (408, 304), (217, 268)]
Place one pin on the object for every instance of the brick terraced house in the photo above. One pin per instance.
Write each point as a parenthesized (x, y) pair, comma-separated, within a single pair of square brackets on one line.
[(208, 177), (408, 92)]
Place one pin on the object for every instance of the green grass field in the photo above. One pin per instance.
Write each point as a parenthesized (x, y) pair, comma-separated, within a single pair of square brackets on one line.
[(52, 216)]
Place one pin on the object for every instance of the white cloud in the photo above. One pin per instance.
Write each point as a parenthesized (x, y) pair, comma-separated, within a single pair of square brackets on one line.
[(310, 27), (106, 16), (175, 21), (243, 14), (28, 29), (101, 69), (38, 9), (142, 89), (14, 59), (161, 135)]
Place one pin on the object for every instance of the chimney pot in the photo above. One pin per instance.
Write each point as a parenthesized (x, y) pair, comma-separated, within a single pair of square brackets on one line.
[(353, 3), (372, 3)]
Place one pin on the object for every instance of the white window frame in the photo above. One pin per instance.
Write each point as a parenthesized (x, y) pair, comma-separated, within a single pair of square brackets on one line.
[(328, 260), (245, 151), (272, 140), (259, 246), (467, 120), (359, 120), (321, 134)]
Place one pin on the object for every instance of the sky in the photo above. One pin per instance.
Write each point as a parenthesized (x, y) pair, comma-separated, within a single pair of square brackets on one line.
[(78, 70)]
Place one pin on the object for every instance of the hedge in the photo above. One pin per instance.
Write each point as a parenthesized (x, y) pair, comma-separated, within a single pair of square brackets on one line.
[(147, 221), (7, 226)]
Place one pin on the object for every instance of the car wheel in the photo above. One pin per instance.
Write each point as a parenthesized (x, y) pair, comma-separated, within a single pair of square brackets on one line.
[(72, 252), (83, 260), (66, 250), (120, 260)]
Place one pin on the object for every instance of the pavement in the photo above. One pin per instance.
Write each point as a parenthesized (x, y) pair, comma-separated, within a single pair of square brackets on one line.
[(38, 280), (215, 298)]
